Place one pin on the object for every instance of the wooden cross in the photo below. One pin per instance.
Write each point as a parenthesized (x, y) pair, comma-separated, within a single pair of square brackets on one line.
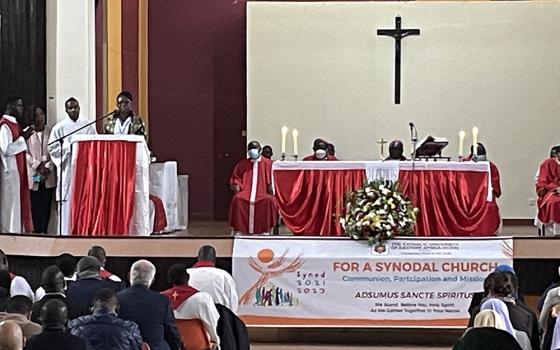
[(382, 142), (398, 33)]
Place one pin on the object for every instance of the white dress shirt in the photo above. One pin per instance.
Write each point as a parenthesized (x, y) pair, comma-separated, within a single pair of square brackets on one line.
[(200, 306)]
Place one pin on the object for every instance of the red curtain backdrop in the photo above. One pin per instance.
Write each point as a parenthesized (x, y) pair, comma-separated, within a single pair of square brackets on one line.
[(311, 202), (451, 203), (103, 196)]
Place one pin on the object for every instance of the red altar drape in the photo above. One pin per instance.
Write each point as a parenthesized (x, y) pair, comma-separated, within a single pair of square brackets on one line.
[(103, 195), (315, 200), (452, 203)]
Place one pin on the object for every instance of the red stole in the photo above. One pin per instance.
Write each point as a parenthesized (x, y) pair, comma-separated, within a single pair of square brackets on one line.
[(204, 264), (178, 294), (24, 196)]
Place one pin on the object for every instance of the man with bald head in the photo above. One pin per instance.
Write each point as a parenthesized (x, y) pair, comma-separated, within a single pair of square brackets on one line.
[(252, 208), (150, 310), (206, 277), (396, 150), (52, 283), (54, 315), (11, 337)]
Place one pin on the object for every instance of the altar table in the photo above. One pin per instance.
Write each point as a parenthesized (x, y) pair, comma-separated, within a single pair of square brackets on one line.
[(454, 198)]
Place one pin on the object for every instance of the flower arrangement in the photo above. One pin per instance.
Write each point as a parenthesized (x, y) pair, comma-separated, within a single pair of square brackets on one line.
[(378, 212)]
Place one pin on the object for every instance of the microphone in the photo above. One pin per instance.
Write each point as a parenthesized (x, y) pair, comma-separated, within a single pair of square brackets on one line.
[(411, 124)]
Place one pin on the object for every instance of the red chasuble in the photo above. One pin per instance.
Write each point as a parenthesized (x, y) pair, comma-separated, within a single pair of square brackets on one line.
[(312, 157), (177, 295), (24, 196), (253, 209), (548, 200)]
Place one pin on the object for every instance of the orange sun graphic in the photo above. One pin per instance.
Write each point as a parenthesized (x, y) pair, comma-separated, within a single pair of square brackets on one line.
[(265, 255)]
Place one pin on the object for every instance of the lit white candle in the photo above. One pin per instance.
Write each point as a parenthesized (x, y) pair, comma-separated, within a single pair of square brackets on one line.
[(461, 142), (475, 141), (284, 137), (295, 134)]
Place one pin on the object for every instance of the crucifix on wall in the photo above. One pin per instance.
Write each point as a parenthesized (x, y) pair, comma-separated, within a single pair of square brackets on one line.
[(398, 33)]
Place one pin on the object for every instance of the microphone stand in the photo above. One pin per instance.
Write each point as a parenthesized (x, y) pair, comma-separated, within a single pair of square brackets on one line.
[(60, 141), (413, 141)]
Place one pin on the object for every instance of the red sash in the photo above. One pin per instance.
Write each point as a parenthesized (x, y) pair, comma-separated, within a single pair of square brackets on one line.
[(204, 264), (177, 295), (24, 196)]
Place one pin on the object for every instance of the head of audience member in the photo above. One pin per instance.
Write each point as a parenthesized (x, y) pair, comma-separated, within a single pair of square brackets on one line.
[(267, 152), (480, 152), (52, 280), (489, 318), (11, 336), (72, 108), (54, 315), (105, 299), (4, 261), (253, 150), (207, 253), (501, 309), (331, 151), (177, 275), (88, 267), (142, 273), (320, 148), (14, 107), (67, 264), (510, 275), (20, 304), (396, 150), (99, 253), (124, 103), (498, 285)]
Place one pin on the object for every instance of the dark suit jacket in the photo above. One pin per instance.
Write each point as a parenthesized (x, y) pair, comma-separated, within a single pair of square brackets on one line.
[(80, 295), (56, 339), (487, 338), (231, 330), (36, 311), (152, 312)]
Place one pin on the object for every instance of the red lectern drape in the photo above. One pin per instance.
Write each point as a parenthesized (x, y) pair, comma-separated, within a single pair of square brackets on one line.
[(103, 195)]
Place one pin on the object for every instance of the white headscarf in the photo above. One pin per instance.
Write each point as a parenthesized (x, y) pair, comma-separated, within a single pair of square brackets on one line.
[(489, 318), (501, 309)]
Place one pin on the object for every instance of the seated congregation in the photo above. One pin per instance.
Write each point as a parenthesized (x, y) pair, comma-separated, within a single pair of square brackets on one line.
[(500, 318), (84, 306)]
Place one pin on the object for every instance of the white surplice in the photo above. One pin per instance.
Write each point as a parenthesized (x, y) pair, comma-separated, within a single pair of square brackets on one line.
[(61, 158), (200, 306), (122, 128), (216, 282), (10, 202)]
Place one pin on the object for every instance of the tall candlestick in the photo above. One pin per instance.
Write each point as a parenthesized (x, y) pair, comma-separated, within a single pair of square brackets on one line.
[(295, 134), (461, 142), (284, 137), (475, 141)]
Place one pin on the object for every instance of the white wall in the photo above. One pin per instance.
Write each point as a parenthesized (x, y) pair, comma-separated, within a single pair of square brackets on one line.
[(70, 57), (321, 68)]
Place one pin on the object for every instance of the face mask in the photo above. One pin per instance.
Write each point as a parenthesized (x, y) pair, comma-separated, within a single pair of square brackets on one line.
[(253, 153), (481, 158), (320, 154)]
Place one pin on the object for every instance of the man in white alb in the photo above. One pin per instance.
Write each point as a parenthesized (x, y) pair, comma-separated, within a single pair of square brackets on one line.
[(205, 277), (61, 156)]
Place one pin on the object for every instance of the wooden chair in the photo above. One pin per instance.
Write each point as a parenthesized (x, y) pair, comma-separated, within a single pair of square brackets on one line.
[(193, 334)]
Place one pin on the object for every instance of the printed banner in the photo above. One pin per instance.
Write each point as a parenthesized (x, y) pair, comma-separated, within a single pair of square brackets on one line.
[(406, 282)]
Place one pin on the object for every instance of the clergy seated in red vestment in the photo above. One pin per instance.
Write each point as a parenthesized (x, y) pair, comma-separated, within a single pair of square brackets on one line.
[(320, 151), (253, 209), (396, 150), (548, 192), (493, 212)]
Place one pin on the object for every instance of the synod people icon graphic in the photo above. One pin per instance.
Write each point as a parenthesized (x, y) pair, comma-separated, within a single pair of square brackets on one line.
[(269, 266)]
